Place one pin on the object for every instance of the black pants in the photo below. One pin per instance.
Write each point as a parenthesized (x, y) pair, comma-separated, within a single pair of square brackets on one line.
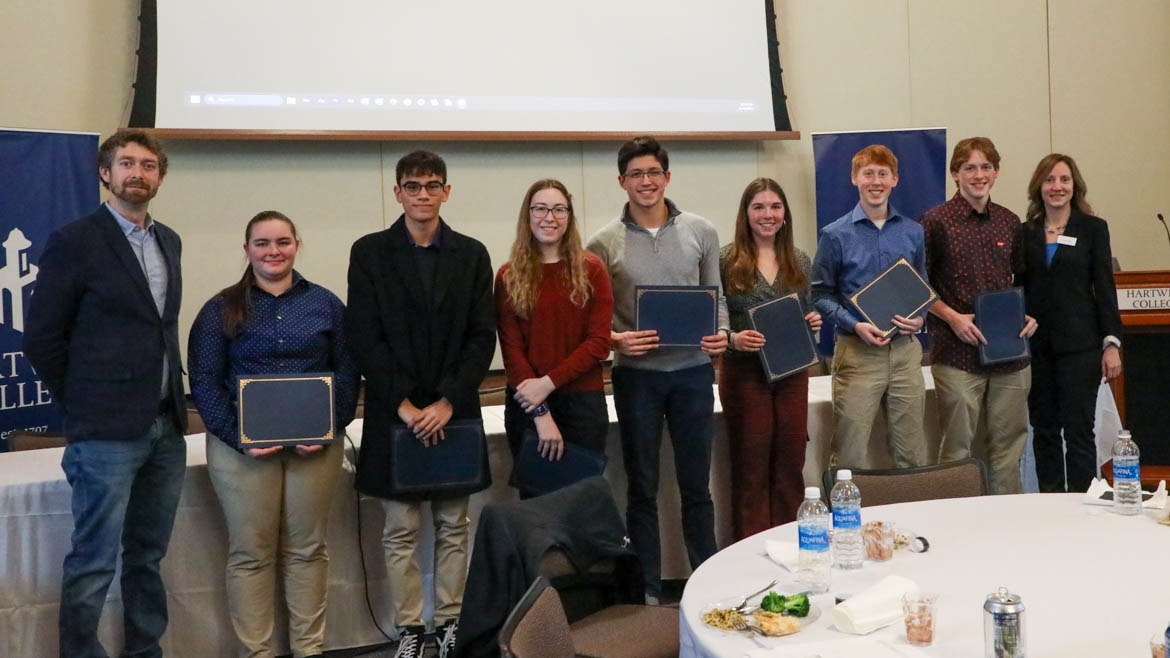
[(1064, 397), (581, 417), (685, 399)]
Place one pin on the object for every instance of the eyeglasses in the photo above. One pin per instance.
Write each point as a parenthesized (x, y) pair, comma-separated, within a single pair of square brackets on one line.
[(540, 212), (412, 188), (652, 174)]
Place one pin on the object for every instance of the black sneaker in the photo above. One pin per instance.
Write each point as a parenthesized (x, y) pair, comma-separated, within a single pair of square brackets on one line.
[(445, 637), (410, 642)]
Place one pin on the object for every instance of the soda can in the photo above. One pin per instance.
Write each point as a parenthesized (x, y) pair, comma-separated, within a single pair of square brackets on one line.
[(1003, 625)]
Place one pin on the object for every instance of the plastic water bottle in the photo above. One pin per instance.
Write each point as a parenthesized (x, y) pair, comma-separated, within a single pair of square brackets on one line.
[(848, 548), (812, 523), (1127, 479)]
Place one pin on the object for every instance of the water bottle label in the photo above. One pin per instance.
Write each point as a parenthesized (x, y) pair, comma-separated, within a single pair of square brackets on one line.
[(1130, 472), (847, 519), (813, 539)]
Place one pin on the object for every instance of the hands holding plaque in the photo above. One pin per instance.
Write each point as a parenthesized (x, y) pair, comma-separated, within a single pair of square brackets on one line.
[(895, 302), (1000, 328), (673, 316), (783, 335), (276, 411)]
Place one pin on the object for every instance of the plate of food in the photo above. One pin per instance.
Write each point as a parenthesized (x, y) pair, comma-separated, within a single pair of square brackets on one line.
[(775, 615)]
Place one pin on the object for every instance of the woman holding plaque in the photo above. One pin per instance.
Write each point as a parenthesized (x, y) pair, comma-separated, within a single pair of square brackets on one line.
[(554, 307), (766, 422), (1069, 289), (275, 500)]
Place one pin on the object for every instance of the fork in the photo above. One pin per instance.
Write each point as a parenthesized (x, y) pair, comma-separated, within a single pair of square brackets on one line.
[(743, 604)]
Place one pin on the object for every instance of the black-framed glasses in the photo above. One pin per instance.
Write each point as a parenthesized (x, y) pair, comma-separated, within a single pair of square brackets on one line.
[(412, 188), (652, 174), (540, 212)]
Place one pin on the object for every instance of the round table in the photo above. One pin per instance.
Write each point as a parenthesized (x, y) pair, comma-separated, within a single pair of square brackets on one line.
[(1094, 583)]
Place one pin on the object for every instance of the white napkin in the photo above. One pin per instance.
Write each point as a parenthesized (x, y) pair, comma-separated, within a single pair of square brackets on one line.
[(784, 553), (874, 607), (869, 647), (1098, 488)]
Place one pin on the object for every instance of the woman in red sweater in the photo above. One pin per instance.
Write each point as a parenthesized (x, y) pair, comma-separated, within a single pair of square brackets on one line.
[(553, 307)]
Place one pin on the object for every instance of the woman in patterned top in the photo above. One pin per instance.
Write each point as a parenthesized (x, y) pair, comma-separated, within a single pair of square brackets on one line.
[(766, 423), (276, 501), (554, 307)]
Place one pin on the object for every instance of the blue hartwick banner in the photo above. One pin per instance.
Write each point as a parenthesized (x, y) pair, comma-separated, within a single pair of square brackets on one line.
[(922, 176), (46, 180)]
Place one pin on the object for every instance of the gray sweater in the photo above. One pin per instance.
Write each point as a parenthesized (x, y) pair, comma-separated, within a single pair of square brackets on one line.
[(685, 252)]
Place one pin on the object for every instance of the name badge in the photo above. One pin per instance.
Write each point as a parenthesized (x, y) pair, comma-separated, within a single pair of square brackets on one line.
[(1066, 239)]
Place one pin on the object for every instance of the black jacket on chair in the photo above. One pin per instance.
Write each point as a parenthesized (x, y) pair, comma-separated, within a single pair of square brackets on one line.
[(1074, 299), (581, 519), (94, 333), (409, 345)]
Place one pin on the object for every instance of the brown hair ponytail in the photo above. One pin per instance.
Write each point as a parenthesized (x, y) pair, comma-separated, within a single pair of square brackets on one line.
[(237, 298)]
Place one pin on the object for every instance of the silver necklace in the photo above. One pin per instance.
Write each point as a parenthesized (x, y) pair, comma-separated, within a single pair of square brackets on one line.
[(1055, 230)]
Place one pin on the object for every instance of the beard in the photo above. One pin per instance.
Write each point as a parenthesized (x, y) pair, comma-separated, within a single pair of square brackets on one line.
[(134, 192)]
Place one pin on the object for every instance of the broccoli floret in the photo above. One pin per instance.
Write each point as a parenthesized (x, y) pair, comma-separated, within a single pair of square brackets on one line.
[(773, 602), (796, 605)]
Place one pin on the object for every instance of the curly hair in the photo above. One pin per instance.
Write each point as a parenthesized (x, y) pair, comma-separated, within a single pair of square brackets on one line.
[(524, 273)]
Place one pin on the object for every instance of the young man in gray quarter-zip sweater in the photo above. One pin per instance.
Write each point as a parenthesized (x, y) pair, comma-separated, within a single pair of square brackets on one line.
[(655, 243)]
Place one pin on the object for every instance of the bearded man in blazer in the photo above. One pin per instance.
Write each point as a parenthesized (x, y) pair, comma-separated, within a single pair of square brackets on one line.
[(102, 332)]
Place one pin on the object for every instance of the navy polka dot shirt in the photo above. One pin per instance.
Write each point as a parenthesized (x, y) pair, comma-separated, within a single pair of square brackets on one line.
[(302, 330)]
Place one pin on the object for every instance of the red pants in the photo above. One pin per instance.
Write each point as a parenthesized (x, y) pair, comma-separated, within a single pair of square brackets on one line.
[(767, 433)]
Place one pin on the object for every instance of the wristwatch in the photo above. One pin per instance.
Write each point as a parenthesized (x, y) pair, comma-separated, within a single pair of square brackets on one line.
[(540, 410)]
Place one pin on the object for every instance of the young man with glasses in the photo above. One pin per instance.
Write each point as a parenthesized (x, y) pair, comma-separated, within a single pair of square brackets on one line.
[(421, 325), (974, 245), (655, 243)]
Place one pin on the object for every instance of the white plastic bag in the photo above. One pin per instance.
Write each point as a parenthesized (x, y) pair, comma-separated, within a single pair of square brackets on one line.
[(1106, 424)]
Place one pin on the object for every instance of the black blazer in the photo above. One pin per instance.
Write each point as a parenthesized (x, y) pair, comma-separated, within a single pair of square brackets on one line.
[(95, 336), (407, 346), (1074, 300)]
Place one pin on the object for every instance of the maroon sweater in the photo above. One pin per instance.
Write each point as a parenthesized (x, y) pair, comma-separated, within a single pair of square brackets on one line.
[(561, 340)]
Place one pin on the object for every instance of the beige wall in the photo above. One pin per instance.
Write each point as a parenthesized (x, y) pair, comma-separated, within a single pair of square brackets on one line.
[(1087, 77)]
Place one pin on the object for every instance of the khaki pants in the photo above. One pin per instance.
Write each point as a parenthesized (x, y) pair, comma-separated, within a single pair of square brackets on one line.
[(962, 396), (400, 541), (864, 378), (277, 511)]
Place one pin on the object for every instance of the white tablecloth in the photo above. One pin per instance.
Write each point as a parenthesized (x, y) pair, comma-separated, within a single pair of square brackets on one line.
[(36, 522), (1094, 583)]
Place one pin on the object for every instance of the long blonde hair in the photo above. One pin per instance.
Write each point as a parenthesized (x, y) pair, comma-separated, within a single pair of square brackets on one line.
[(523, 276)]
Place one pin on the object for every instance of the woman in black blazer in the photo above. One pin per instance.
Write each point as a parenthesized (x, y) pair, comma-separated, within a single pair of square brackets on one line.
[(1068, 281)]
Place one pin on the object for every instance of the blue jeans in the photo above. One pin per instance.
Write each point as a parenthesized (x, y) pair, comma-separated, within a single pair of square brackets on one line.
[(124, 492), (686, 399)]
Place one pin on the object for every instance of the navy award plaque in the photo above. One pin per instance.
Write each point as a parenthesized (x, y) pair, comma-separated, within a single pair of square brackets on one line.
[(999, 315), (534, 475), (900, 290), (681, 315), (456, 465), (286, 410), (789, 346)]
